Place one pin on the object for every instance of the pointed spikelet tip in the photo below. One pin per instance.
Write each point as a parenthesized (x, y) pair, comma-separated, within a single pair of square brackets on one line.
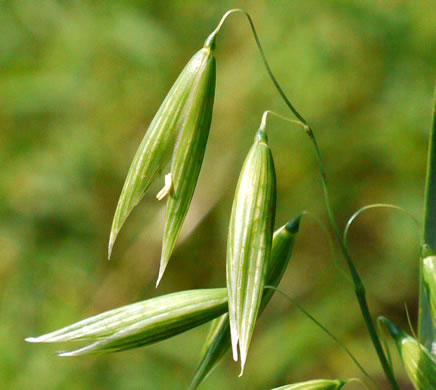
[(294, 225)]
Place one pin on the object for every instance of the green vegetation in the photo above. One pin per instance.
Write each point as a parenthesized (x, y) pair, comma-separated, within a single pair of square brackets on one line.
[(79, 85)]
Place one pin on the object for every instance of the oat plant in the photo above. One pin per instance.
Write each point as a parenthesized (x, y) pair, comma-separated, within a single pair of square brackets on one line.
[(175, 145)]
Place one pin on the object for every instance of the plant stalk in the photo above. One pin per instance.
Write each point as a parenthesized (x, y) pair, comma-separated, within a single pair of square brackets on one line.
[(330, 334), (358, 285), (359, 288)]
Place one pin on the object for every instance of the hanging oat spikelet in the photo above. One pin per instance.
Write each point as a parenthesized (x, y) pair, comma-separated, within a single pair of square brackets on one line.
[(218, 340), (317, 384), (249, 242), (420, 364), (189, 152), (182, 112), (141, 323)]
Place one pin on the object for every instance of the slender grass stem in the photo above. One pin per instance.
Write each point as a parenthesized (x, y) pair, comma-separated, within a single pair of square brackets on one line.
[(315, 218), (339, 342), (331, 244), (359, 288), (265, 117), (374, 206), (384, 340)]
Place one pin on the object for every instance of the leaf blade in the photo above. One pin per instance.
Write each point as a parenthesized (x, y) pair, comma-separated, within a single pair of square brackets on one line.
[(426, 328)]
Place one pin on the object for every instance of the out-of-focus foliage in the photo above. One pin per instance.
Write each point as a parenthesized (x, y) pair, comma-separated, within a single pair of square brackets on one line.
[(80, 82)]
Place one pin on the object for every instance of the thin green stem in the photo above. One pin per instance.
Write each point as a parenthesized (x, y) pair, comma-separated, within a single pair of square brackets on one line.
[(265, 117), (373, 206), (358, 285), (211, 40), (332, 247), (339, 342), (316, 219), (409, 321), (359, 288), (384, 339)]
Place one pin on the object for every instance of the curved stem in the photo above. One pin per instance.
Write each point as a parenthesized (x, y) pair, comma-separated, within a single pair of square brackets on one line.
[(313, 319), (265, 115), (359, 288), (211, 41), (315, 218), (373, 206), (358, 285)]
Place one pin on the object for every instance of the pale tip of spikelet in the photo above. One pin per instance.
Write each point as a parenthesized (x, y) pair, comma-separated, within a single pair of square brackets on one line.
[(161, 272), (76, 352), (32, 339), (235, 349), (110, 246), (243, 359), (234, 337), (66, 354)]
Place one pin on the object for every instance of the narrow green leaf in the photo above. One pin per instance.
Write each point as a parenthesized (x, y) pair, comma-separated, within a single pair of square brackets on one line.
[(218, 340), (142, 323), (249, 242), (420, 364), (426, 328), (317, 384), (155, 150), (189, 153)]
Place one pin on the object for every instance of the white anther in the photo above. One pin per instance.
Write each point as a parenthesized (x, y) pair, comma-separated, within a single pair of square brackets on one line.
[(166, 188)]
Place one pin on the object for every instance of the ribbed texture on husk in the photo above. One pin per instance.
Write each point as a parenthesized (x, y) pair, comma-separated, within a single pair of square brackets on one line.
[(419, 363), (249, 242), (142, 323), (156, 147), (429, 279), (218, 340), (189, 153)]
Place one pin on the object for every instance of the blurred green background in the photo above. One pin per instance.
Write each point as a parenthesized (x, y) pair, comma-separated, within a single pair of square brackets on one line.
[(79, 83)]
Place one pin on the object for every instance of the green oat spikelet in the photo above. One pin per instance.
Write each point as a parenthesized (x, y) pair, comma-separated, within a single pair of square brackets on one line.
[(249, 242), (429, 278), (155, 150), (419, 363), (141, 323), (317, 384), (218, 340), (189, 152), (217, 344)]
